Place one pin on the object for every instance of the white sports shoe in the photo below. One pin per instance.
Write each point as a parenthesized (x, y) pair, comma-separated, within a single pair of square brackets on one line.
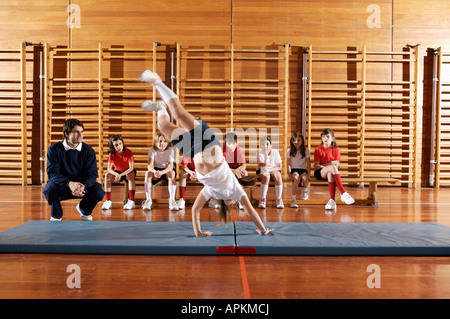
[(280, 203), (173, 204), (330, 205), (150, 77), (107, 204), (83, 217), (129, 205), (214, 203), (294, 204), (55, 219), (152, 106), (346, 198), (305, 195), (262, 203), (147, 205), (181, 203)]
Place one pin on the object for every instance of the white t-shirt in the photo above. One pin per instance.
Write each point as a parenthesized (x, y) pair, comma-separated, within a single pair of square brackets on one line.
[(298, 161), (161, 159), (274, 159), (221, 183)]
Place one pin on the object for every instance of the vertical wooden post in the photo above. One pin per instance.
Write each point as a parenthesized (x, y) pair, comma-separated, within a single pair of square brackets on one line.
[(23, 111), (363, 111), (46, 107), (154, 90), (309, 94), (232, 87), (287, 126), (100, 111), (416, 108), (437, 175)]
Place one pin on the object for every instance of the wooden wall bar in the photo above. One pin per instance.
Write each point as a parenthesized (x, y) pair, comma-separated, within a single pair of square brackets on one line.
[(383, 25)]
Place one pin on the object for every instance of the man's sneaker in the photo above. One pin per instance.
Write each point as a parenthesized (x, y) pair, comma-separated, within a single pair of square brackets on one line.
[(107, 204), (150, 77), (214, 203), (146, 205), (294, 204), (150, 106), (83, 217), (181, 203), (330, 205), (346, 198), (262, 203), (129, 205), (55, 219), (280, 203), (173, 204)]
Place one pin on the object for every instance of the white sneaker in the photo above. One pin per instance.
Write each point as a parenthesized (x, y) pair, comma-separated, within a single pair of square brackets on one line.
[(213, 203), (346, 198), (55, 219), (129, 205), (146, 205), (330, 205), (107, 204), (181, 203), (173, 204), (280, 203), (294, 204), (305, 195), (262, 203), (150, 106), (83, 217), (150, 77)]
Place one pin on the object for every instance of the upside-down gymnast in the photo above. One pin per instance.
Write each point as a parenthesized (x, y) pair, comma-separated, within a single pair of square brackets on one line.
[(196, 140)]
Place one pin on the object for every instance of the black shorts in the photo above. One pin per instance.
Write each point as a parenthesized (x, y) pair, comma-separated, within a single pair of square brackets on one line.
[(124, 177), (196, 140), (163, 177), (318, 176), (299, 171)]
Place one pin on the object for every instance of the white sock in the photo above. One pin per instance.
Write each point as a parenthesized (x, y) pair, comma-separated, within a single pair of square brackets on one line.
[(148, 190), (264, 189), (279, 190), (165, 92), (163, 112), (294, 197), (172, 191)]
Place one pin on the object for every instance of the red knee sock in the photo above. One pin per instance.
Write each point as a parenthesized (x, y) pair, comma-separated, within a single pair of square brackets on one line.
[(108, 195), (182, 191), (332, 189), (131, 194), (337, 179)]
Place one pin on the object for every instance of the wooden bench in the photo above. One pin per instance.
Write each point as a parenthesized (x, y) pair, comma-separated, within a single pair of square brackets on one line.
[(372, 198)]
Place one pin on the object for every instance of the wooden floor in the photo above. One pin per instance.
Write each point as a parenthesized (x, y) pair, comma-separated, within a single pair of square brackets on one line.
[(228, 277)]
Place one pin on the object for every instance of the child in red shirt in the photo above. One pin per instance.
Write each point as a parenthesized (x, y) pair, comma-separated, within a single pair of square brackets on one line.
[(326, 162), (120, 167)]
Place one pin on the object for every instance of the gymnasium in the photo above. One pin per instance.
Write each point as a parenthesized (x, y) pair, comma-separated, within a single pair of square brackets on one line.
[(374, 72)]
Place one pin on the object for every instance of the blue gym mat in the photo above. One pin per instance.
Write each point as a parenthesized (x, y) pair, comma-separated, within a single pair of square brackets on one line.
[(177, 238), (365, 239), (114, 237)]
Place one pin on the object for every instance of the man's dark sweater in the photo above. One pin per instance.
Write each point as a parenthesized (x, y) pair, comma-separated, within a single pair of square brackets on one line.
[(71, 165)]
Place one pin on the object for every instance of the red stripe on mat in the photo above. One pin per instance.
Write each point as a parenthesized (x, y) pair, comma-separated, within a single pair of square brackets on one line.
[(226, 249)]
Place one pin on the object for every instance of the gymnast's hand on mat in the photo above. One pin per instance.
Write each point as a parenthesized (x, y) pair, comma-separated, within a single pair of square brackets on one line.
[(204, 234), (267, 232)]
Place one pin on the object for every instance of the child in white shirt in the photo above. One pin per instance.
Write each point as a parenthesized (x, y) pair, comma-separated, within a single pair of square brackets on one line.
[(160, 167), (269, 167), (197, 141)]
